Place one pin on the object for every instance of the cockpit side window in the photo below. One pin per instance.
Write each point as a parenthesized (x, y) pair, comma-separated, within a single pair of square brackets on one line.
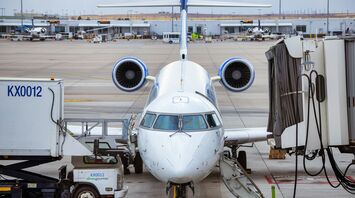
[(167, 122), (212, 120), (148, 120), (193, 122)]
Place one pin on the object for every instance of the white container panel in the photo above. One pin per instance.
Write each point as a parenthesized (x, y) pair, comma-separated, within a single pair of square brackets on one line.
[(26, 128)]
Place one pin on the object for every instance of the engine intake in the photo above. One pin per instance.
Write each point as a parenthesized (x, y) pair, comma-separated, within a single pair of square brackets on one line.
[(237, 74), (129, 74)]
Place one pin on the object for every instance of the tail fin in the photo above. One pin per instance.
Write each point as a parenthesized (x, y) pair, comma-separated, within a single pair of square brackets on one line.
[(259, 24), (183, 4)]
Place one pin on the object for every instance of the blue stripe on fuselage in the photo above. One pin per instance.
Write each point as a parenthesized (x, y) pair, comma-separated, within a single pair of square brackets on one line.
[(183, 4)]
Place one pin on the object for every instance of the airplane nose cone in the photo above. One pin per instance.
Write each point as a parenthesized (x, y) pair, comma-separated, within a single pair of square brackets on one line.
[(182, 158)]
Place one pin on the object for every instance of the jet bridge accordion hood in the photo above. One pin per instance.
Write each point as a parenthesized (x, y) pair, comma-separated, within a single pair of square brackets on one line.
[(284, 70)]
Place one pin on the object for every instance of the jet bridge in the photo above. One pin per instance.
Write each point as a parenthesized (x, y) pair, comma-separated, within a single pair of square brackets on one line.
[(312, 101), (312, 88)]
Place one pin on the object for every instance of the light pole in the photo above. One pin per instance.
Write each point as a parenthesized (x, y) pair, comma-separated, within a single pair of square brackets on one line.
[(279, 18), (172, 18), (21, 16), (327, 17), (2, 11)]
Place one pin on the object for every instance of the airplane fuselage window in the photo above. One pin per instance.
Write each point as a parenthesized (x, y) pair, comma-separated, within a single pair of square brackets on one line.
[(193, 122), (148, 120), (167, 122)]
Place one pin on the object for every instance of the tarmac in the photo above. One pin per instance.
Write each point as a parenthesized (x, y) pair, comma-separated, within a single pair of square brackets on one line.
[(90, 93)]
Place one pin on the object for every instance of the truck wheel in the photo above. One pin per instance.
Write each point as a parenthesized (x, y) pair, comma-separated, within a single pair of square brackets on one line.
[(138, 164), (170, 42), (125, 163), (86, 192), (242, 159)]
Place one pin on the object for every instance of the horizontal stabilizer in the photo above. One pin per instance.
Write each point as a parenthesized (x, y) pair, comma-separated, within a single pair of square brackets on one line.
[(175, 3), (141, 4), (202, 3)]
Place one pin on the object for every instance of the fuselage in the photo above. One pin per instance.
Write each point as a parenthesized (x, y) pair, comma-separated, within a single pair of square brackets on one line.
[(181, 134)]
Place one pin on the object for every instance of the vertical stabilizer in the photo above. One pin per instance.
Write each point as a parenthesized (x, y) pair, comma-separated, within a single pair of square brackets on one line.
[(184, 4)]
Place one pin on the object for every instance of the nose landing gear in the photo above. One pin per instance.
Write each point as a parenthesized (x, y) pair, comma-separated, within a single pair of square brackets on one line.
[(179, 190)]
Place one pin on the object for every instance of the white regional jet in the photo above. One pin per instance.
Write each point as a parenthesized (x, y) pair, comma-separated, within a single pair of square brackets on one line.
[(181, 135)]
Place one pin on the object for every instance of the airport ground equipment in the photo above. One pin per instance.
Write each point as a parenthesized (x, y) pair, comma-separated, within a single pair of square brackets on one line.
[(236, 178), (32, 133), (312, 100), (171, 37), (119, 134)]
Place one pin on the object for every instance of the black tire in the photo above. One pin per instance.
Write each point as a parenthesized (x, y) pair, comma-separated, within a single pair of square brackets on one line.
[(125, 163), (170, 42), (85, 190), (138, 164), (242, 159)]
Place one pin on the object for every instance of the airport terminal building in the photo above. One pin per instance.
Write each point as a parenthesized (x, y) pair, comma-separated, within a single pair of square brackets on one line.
[(205, 27)]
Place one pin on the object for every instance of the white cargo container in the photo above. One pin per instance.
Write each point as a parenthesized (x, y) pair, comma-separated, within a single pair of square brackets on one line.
[(30, 110)]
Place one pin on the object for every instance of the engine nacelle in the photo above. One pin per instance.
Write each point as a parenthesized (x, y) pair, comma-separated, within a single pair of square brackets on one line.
[(237, 74), (129, 74)]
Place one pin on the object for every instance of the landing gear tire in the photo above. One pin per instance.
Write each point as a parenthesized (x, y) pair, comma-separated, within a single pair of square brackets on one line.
[(138, 164), (85, 192), (125, 163), (242, 159), (178, 191)]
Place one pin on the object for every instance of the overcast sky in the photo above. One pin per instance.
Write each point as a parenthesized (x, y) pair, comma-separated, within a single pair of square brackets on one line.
[(77, 7)]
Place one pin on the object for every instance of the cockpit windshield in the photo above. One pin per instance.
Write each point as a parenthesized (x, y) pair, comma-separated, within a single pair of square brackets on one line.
[(148, 120), (167, 122), (193, 122), (188, 122)]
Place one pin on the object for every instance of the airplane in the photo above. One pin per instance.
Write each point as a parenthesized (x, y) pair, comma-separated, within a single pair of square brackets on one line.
[(181, 136), (39, 33), (258, 32)]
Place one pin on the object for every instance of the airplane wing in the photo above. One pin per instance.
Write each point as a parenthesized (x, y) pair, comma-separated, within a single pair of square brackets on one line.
[(246, 135), (191, 3)]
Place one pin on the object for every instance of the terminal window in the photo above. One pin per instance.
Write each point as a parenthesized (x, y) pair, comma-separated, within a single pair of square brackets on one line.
[(301, 28), (230, 30), (2, 29)]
